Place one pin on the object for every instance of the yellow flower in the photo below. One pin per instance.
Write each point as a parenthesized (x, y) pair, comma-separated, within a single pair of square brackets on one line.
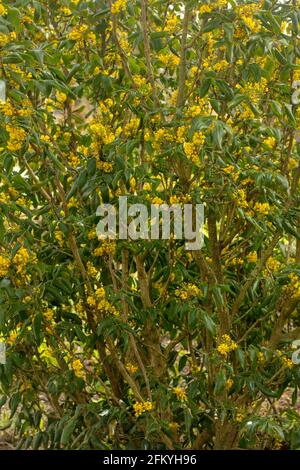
[(174, 426), (260, 357), (7, 108), (168, 59), (287, 362), (262, 207), (21, 259), (252, 257), (107, 247), (61, 97), (172, 22), (106, 167), (118, 6), (91, 301), (156, 200), (4, 265), (131, 128), (270, 141), (272, 264), (198, 138), (229, 383), (49, 314), (131, 368), (223, 349), (187, 290), (78, 368), (229, 169), (142, 407), (100, 292), (226, 346), (12, 338), (16, 137), (180, 393), (205, 9), (3, 10)]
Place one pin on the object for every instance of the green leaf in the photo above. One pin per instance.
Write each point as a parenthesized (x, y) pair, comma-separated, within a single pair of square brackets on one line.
[(220, 382), (68, 431)]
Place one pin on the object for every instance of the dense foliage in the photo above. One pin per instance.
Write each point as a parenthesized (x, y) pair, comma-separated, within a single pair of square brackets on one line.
[(142, 344)]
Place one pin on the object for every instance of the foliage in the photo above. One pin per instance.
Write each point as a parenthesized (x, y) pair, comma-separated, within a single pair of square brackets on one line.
[(143, 344)]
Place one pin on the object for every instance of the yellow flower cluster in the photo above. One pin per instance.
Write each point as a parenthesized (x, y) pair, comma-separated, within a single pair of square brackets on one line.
[(139, 80), (106, 248), (103, 133), (174, 426), (141, 407), (287, 362), (240, 197), (180, 393), (17, 137), (59, 237), (4, 265), (261, 357), (131, 128), (65, 11), (246, 13), (92, 271), (4, 198), (106, 167), (12, 338), (262, 207), (100, 302), (254, 90), (80, 34), (172, 22), (187, 291), (21, 259), (6, 38), (104, 108), (61, 97), (239, 417), (168, 60), (49, 314), (156, 200), (78, 369), (123, 41), (131, 368), (220, 65), (3, 9), (226, 346), (293, 288), (118, 6), (180, 134), (7, 108), (73, 160), (252, 257), (162, 136), (191, 149), (180, 199), (235, 262), (198, 108), (229, 383), (270, 141), (272, 264), (205, 9)]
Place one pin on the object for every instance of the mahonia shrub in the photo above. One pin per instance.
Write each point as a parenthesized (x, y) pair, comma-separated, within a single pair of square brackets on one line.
[(142, 344)]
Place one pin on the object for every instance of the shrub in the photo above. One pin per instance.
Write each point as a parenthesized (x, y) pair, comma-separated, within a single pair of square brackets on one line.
[(142, 344)]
